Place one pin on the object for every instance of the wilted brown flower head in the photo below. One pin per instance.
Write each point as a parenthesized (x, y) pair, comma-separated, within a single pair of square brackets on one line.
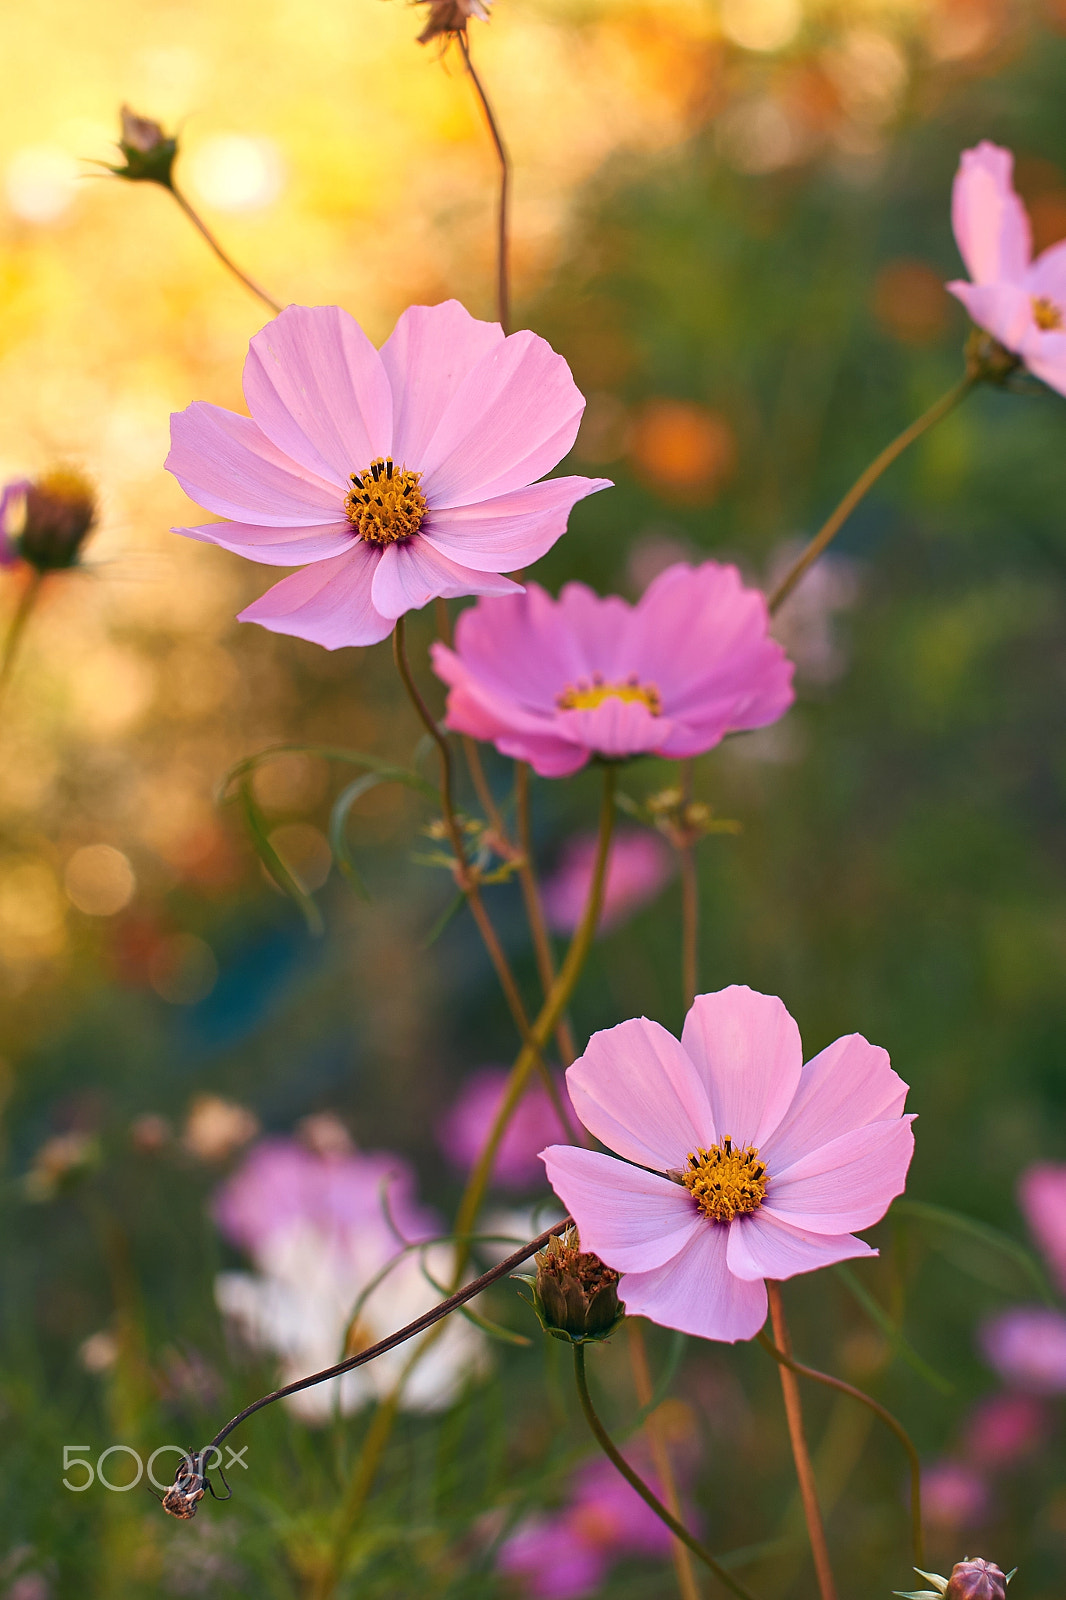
[(574, 1294), (451, 16), (149, 154), (60, 509), (976, 1579)]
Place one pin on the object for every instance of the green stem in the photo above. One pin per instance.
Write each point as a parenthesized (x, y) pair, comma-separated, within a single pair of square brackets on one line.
[(690, 903), (27, 601), (538, 927), (227, 261), (615, 1456), (800, 1453), (503, 271), (832, 526), (789, 1361), (554, 1005)]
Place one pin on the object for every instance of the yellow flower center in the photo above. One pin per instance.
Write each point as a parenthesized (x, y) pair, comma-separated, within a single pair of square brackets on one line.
[(585, 696), (384, 505), (1047, 315), (725, 1183)]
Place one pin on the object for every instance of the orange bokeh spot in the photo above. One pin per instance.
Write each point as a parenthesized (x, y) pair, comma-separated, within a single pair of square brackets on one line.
[(682, 449), (910, 301)]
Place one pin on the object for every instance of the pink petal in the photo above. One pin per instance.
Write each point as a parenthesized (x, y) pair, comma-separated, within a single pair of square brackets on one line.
[(636, 1089), (479, 716), (1047, 275), (761, 1246), (328, 603), (510, 421), (1045, 356), (316, 386), (615, 728), (277, 547), (1004, 310), (848, 1085), (846, 1185), (1042, 1196), (426, 356), (696, 1293), (518, 650), (747, 1050), (628, 1217), (411, 573), (511, 530), (226, 464), (990, 222)]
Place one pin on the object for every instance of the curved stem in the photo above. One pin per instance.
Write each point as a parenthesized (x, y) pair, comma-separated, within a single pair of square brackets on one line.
[(615, 1456), (17, 627), (878, 1410), (554, 1006), (800, 1452), (227, 261), (660, 1455), (503, 268), (832, 526)]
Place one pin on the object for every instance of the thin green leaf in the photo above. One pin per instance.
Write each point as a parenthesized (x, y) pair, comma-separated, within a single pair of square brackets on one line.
[(901, 1345), (253, 821), (326, 752), (443, 920), (943, 1216), (342, 807), (662, 1387), (495, 1330)]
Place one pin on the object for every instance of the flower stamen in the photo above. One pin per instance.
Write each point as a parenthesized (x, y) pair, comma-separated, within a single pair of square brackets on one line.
[(586, 695), (1046, 314), (385, 506), (725, 1183)]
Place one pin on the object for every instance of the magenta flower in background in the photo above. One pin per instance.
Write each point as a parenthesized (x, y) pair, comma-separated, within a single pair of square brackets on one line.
[(1042, 1197), (555, 682), (389, 476), (954, 1496), (640, 864), (466, 1125), (1004, 1429), (1027, 1347), (1021, 302), (567, 1554), (11, 496), (761, 1166)]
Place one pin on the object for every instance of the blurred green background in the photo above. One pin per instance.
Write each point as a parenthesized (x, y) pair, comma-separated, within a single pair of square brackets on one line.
[(742, 260)]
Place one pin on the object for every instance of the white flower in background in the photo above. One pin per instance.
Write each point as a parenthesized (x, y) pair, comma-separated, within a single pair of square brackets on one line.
[(317, 1230)]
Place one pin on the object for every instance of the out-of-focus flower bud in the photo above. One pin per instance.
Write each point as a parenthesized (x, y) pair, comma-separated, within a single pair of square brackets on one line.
[(574, 1294), (972, 1578), (987, 361), (148, 153), (975, 1579), (59, 510), (59, 1164), (451, 16)]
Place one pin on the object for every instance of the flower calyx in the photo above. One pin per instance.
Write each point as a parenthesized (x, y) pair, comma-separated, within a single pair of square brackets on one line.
[(987, 361), (972, 1578), (147, 152), (58, 511), (448, 18), (575, 1295)]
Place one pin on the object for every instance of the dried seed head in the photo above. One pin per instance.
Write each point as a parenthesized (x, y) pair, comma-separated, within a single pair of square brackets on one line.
[(447, 17), (60, 509), (574, 1294)]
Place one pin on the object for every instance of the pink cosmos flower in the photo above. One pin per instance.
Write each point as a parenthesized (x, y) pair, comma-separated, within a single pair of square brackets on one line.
[(761, 1166), (640, 864), (1042, 1195), (389, 476), (554, 682), (1027, 1347), (954, 1496), (1004, 1429), (1021, 302), (466, 1127)]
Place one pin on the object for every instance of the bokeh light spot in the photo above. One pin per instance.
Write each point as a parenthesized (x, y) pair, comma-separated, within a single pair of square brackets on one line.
[(99, 880), (761, 24), (233, 172), (40, 183), (182, 969), (683, 448), (305, 851)]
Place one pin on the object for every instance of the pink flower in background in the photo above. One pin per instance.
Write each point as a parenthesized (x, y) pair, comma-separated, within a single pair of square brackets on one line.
[(1042, 1196), (317, 1230), (806, 623), (555, 682), (1021, 302), (954, 1496), (640, 864), (389, 476), (1027, 1347), (466, 1127), (1003, 1429), (761, 1166), (12, 495), (567, 1554)]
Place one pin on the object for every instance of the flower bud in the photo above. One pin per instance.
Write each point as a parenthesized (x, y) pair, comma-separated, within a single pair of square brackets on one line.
[(448, 17), (149, 154), (59, 510), (975, 1579), (574, 1294), (987, 361)]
